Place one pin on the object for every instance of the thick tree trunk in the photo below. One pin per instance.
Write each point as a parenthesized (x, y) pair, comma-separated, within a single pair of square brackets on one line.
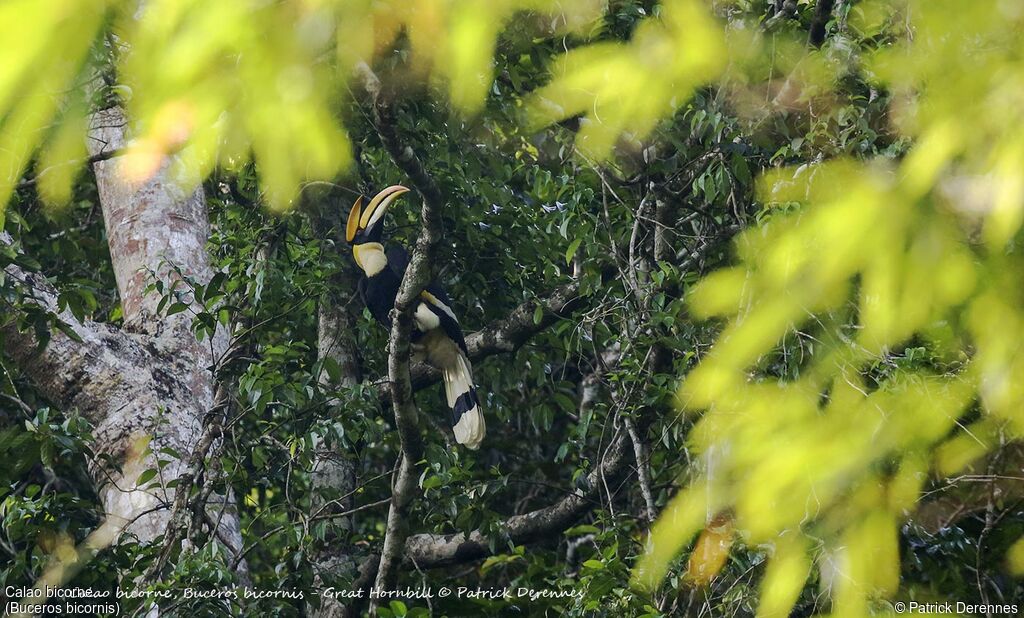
[(147, 386), (155, 230), (334, 471)]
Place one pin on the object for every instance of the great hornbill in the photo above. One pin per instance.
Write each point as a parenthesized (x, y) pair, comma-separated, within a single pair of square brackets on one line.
[(437, 336)]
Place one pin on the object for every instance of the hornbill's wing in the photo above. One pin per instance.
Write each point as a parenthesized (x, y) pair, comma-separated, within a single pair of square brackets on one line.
[(434, 296), (438, 303), (377, 300), (398, 260)]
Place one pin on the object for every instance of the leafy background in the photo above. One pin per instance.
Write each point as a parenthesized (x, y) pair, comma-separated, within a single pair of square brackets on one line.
[(851, 358)]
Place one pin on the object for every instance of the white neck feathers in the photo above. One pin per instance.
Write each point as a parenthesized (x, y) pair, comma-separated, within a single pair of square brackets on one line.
[(370, 257)]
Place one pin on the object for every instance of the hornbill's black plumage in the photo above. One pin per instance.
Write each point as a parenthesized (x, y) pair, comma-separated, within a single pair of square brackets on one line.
[(436, 335)]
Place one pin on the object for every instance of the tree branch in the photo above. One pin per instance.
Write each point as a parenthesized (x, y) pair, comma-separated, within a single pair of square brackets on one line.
[(96, 158), (434, 550), (91, 373), (189, 505), (511, 332), (822, 13), (426, 551), (417, 275), (403, 156), (334, 471), (439, 550), (640, 453), (1000, 474)]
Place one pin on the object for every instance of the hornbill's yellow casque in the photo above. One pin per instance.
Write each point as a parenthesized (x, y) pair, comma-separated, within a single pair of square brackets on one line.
[(436, 336)]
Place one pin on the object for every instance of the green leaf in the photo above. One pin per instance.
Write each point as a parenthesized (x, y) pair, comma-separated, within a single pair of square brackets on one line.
[(571, 251), (171, 452), (146, 476), (213, 288), (176, 308), (332, 369)]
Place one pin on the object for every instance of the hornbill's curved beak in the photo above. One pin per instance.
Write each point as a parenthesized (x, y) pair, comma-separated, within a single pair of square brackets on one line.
[(360, 220), (353, 220)]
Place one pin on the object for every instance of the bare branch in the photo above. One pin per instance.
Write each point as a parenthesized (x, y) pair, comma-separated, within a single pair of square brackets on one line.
[(511, 332), (435, 550), (427, 551), (643, 472), (822, 13), (417, 275), (334, 472), (1001, 474), (90, 373), (96, 158), (186, 503)]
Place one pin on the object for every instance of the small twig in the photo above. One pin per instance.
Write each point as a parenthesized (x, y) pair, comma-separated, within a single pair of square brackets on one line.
[(18, 402), (642, 470), (269, 533), (96, 158)]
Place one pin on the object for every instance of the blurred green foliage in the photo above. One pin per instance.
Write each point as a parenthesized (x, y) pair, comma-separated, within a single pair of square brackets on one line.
[(874, 257), (218, 82)]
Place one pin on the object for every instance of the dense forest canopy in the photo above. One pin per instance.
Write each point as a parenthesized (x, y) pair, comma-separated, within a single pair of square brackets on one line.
[(739, 280)]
